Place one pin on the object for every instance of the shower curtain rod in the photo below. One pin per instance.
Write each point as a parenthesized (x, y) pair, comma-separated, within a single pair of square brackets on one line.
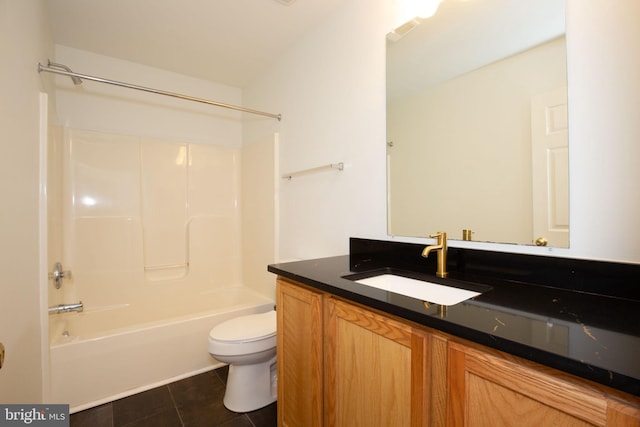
[(67, 72)]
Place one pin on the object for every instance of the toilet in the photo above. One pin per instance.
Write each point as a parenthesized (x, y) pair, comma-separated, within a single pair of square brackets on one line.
[(248, 345)]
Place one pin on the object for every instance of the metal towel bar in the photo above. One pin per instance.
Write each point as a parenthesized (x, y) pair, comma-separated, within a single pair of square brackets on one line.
[(337, 166)]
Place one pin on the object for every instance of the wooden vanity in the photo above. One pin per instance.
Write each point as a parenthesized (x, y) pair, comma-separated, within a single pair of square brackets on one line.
[(342, 363), (548, 342)]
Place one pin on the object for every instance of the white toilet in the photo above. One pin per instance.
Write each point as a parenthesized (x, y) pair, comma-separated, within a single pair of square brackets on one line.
[(248, 345)]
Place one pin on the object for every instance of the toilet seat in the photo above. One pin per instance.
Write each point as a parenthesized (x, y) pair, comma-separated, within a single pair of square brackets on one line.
[(246, 328), (244, 335)]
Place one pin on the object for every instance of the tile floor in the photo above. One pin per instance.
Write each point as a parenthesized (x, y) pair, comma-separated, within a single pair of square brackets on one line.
[(192, 402)]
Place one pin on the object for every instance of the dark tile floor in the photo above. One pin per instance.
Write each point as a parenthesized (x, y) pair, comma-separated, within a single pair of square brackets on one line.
[(192, 402)]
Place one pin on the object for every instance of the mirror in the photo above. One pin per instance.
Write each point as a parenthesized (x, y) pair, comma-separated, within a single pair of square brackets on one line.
[(477, 123)]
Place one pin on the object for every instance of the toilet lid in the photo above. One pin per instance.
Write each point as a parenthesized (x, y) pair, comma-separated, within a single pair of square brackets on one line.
[(246, 328)]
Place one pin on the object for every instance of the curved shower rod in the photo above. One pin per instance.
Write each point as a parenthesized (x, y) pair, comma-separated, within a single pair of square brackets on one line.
[(66, 71)]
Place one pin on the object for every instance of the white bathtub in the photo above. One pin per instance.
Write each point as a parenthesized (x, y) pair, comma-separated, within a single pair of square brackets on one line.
[(107, 353)]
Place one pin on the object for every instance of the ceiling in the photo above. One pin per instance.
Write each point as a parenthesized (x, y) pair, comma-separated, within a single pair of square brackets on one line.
[(225, 41)]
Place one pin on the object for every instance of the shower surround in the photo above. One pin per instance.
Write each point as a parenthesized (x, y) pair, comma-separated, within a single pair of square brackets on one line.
[(151, 231)]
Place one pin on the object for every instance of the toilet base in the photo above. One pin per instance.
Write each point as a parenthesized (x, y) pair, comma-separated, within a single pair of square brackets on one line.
[(249, 387)]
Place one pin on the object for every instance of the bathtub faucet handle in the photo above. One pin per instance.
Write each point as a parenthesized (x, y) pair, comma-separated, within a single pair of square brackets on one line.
[(58, 274)]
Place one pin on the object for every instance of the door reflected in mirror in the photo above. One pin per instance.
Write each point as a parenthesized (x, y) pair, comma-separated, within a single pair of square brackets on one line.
[(477, 124)]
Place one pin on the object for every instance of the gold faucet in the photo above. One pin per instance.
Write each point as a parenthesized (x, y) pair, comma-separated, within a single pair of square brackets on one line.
[(441, 247)]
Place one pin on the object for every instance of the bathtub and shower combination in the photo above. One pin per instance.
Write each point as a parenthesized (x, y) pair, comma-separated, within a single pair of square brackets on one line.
[(102, 355), (151, 234)]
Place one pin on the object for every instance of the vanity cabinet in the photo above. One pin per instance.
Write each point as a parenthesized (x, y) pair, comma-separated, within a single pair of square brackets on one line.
[(300, 355), (488, 388), (343, 364), (377, 369), (340, 364)]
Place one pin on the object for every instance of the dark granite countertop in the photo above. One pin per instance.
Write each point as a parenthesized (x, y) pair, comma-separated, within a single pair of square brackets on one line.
[(590, 335)]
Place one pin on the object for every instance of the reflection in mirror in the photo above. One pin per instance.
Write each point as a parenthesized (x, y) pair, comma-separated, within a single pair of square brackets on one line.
[(477, 124)]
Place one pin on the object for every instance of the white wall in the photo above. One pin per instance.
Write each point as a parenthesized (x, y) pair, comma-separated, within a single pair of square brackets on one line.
[(330, 89), (24, 40)]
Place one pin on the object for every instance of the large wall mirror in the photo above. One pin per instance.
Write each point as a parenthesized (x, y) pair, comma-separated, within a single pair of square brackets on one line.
[(477, 123)]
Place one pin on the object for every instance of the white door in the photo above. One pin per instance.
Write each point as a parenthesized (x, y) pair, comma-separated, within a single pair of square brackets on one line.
[(550, 168)]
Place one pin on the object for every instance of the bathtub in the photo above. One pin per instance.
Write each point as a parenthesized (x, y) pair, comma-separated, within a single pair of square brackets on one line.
[(106, 353)]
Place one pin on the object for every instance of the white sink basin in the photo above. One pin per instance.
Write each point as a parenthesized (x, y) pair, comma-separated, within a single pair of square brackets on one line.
[(420, 289)]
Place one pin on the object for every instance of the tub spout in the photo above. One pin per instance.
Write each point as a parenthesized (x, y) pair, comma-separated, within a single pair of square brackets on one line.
[(65, 308)]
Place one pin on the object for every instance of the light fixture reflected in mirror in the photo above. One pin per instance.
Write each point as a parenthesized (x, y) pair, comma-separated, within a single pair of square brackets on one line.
[(424, 8), (407, 10), (408, 14)]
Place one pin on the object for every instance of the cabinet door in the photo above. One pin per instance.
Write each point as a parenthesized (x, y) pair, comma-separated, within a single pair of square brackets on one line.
[(487, 390), (300, 357), (376, 369), (623, 413)]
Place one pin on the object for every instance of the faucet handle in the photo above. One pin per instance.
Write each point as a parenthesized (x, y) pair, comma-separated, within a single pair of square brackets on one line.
[(440, 235), (58, 274)]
